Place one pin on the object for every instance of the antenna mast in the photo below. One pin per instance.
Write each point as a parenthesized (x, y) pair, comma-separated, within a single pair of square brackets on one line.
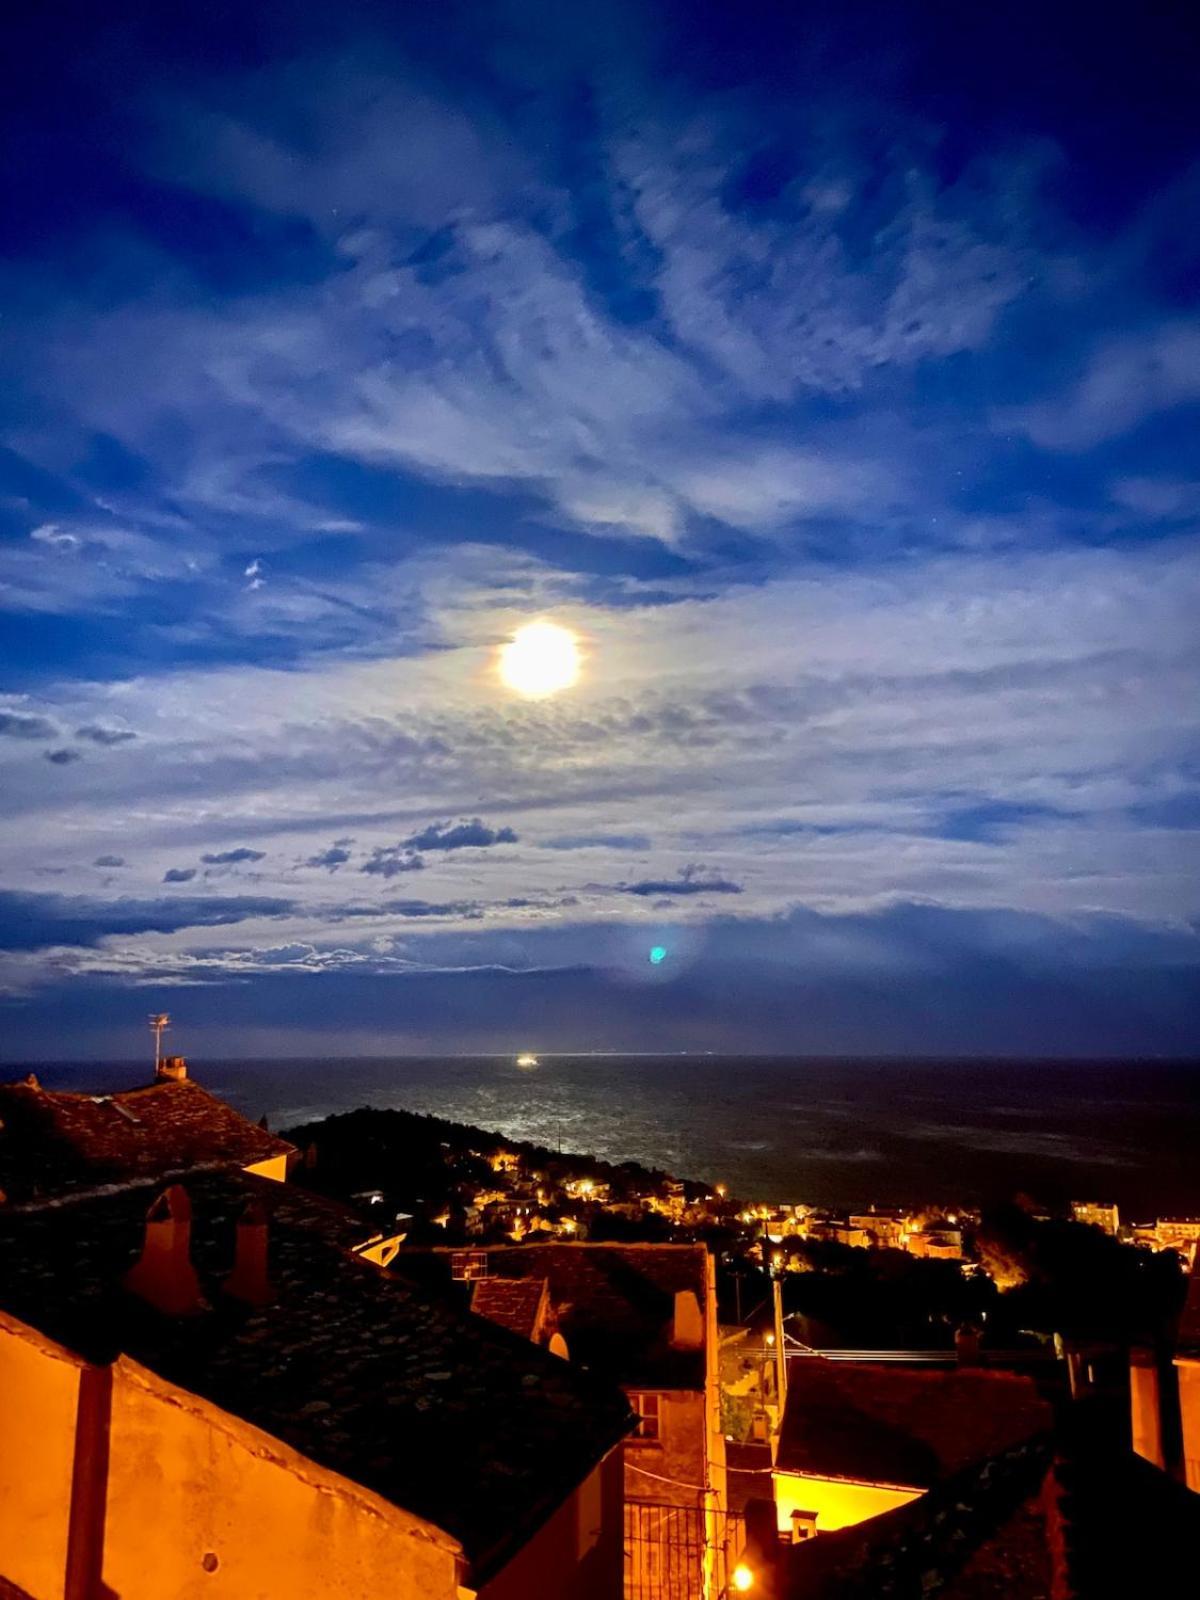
[(159, 1022)]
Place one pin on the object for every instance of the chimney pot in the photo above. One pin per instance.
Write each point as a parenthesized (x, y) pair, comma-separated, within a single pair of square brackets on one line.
[(249, 1281), (163, 1275), (173, 1068), (687, 1329)]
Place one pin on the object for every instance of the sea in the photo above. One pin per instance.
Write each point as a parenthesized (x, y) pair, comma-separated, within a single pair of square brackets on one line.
[(832, 1132)]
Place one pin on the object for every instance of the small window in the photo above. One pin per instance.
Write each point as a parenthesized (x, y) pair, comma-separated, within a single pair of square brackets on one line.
[(646, 1404), (468, 1265)]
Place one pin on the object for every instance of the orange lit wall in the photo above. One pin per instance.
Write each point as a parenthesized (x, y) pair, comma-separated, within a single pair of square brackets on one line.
[(145, 1491), (39, 1391), (202, 1504), (1189, 1408), (838, 1504), (578, 1554), (1145, 1404), (273, 1167)]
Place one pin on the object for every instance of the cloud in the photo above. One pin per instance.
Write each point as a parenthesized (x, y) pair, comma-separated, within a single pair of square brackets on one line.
[(336, 856), (36, 921), (64, 757), (19, 725), (692, 880), (632, 842), (98, 734), (223, 858), (179, 874), (109, 861), (1127, 380), (389, 861), (470, 833)]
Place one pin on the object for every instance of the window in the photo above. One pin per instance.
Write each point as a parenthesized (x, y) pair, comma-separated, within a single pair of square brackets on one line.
[(468, 1265), (647, 1406)]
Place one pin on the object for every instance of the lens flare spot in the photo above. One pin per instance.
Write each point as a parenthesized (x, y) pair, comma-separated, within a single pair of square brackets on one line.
[(540, 659), (657, 954)]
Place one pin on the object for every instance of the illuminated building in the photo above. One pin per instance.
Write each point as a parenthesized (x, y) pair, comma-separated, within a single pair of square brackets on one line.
[(859, 1440), (643, 1316), (1097, 1214), (207, 1391)]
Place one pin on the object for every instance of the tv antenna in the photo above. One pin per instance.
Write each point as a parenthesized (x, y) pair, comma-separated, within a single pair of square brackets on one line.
[(159, 1023)]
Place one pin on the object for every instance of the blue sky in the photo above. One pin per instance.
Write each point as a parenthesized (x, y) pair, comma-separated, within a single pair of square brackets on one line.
[(835, 378)]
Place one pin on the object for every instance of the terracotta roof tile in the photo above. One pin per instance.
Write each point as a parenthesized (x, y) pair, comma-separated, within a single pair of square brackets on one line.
[(514, 1303), (52, 1141)]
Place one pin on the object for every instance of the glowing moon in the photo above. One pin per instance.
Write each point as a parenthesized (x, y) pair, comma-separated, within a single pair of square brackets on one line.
[(540, 659)]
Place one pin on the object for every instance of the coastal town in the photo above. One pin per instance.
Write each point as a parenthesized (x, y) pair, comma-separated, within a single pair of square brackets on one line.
[(388, 1353)]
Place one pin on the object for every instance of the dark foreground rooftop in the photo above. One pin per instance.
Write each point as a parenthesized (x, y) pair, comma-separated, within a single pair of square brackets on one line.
[(458, 1421)]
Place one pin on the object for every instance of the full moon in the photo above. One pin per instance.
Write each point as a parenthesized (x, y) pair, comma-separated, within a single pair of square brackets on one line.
[(540, 659)]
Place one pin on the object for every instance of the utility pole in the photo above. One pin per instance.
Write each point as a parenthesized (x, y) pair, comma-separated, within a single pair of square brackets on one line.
[(781, 1377)]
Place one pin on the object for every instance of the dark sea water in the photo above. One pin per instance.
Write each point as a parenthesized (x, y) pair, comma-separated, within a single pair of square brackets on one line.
[(829, 1131)]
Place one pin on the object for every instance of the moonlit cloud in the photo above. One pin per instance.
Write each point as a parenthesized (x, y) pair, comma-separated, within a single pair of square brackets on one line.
[(851, 444)]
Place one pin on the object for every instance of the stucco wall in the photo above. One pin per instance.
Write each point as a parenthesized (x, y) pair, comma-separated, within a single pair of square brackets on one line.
[(200, 1504), (39, 1391), (578, 1554), (1189, 1407), (677, 1454), (838, 1504)]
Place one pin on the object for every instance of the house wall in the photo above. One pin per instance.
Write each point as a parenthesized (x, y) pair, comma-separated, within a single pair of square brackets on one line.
[(837, 1504), (578, 1554), (1189, 1409), (678, 1454), (1145, 1407), (39, 1396), (141, 1490), (202, 1504)]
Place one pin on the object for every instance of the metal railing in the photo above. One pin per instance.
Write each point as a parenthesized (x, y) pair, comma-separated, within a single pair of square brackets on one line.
[(679, 1552)]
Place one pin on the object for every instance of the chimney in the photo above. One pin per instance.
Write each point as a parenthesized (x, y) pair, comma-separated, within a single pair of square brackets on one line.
[(164, 1275), (687, 1329), (966, 1345), (249, 1281), (173, 1068)]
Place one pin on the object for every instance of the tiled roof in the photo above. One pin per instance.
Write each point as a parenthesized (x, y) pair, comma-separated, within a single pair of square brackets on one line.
[(461, 1423), (52, 1142), (513, 1303), (614, 1304), (983, 1534), (890, 1425), (1072, 1514)]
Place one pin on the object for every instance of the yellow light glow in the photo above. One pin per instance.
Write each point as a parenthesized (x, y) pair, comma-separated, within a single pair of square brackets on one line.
[(743, 1578), (540, 659)]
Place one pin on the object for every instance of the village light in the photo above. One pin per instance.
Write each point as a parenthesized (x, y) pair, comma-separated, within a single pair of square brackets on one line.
[(743, 1578)]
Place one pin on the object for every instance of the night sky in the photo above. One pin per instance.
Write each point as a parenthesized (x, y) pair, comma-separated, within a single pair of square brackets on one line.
[(832, 372)]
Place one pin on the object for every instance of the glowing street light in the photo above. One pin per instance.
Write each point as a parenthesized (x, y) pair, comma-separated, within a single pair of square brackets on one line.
[(743, 1578)]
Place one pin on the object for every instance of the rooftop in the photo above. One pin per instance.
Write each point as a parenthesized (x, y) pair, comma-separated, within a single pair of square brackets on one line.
[(898, 1426), (457, 1421), (53, 1141), (614, 1304), (1076, 1513), (513, 1303)]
